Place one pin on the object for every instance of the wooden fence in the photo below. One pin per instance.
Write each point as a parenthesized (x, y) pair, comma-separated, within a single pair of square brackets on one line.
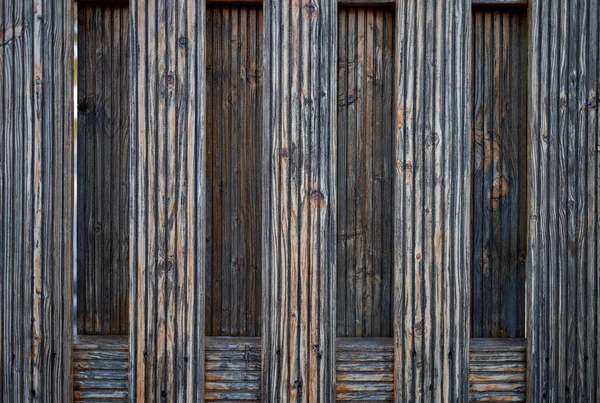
[(313, 200)]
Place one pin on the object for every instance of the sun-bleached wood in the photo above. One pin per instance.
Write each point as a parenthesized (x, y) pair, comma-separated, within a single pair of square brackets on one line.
[(168, 200), (432, 190), (36, 200)]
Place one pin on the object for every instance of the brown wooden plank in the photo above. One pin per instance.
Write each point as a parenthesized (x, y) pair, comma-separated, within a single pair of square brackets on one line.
[(168, 200), (432, 221), (299, 200), (562, 272), (364, 166), (36, 189)]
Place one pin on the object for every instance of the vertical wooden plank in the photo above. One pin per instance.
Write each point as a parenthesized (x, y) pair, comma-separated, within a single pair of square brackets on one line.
[(563, 133), (168, 193), (433, 166), (103, 170), (299, 200), (36, 188)]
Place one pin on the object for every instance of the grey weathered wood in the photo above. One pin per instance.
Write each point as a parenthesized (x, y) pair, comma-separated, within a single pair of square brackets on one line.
[(232, 369), (168, 200), (103, 170), (36, 200), (497, 370), (111, 382), (364, 369), (364, 172), (563, 276), (499, 3), (234, 116), (500, 173), (299, 152), (432, 188)]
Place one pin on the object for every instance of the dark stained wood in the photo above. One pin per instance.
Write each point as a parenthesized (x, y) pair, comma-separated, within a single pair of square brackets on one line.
[(365, 166), (499, 173), (100, 366), (563, 260), (234, 129), (168, 200), (36, 200), (103, 170), (432, 193), (299, 189), (233, 369), (497, 370), (364, 369)]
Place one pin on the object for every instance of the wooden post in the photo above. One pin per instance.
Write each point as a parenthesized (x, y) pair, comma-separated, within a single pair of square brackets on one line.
[(432, 193), (36, 200), (168, 192), (564, 226), (299, 200)]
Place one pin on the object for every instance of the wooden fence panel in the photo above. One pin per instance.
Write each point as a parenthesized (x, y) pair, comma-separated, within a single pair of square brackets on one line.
[(234, 161), (36, 200), (103, 170), (499, 172), (432, 192), (299, 200), (364, 242), (564, 225), (168, 200)]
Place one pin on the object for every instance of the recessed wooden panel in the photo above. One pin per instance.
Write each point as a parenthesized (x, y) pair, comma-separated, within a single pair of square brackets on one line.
[(234, 110), (499, 172), (103, 170), (364, 172)]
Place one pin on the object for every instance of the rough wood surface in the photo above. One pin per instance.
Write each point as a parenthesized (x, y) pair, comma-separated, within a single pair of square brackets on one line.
[(499, 173), (563, 261), (232, 369), (100, 366), (36, 200), (365, 165), (364, 369), (168, 200), (102, 170), (299, 157), (234, 129), (432, 224), (497, 370)]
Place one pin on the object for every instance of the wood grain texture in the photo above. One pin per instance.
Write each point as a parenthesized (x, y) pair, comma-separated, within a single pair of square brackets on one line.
[(365, 164), (233, 369), (234, 163), (364, 369), (432, 189), (103, 170), (299, 155), (36, 200), (499, 173), (563, 260), (168, 200), (497, 370), (100, 366)]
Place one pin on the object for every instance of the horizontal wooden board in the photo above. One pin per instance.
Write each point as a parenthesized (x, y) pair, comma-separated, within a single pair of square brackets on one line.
[(497, 370), (233, 366), (100, 368), (364, 369)]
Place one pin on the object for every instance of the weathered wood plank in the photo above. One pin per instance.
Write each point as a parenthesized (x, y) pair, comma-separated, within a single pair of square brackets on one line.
[(299, 197), (168, 200), (432, 189), (103, 170), (563, 277), (36, 200), (234, 85), (364, 169)]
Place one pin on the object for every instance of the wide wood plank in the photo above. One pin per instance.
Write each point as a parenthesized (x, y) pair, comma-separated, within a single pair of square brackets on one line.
[(36, 200)]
